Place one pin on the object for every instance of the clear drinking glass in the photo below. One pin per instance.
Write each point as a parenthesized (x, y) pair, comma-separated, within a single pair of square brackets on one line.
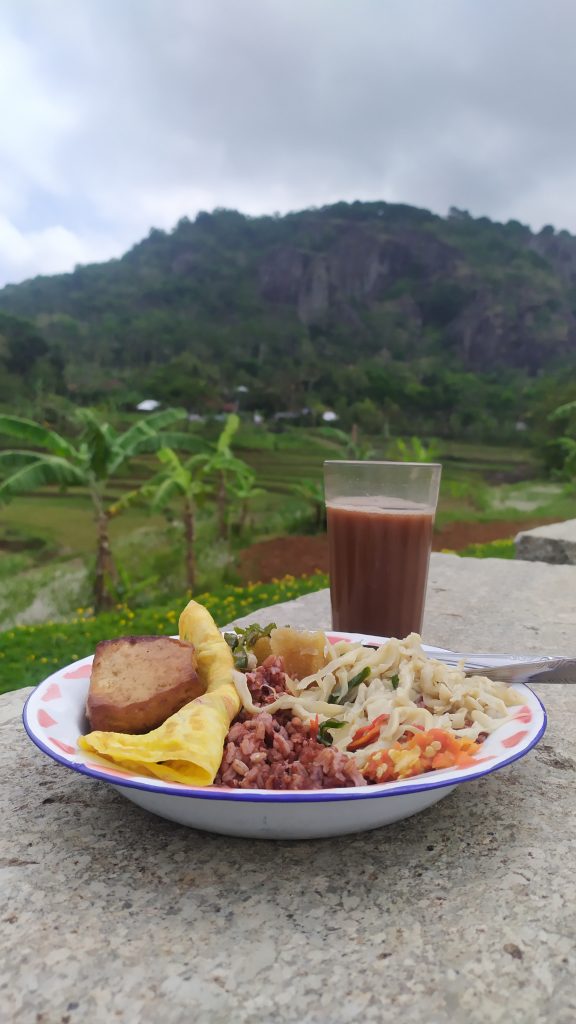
[(380, 521)]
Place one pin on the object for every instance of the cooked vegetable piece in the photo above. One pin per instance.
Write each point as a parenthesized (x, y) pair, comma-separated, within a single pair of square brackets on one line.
[(251, 638), (367, 734), (354, 682), (262, 649), (419, 752), (324, 733), (304, 653)]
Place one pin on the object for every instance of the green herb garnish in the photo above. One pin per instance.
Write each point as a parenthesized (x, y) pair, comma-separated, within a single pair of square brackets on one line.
[(323, 734), (354, 682), (241, 660), (241, 641), (395, 681)]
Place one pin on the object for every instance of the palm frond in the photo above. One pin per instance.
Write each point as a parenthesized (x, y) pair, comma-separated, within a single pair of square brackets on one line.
[(166, 492), (169, 458), (139, 496), (333, 434), (100, 439), (165, 418), (131, 440), (88, 419), (142, 495), (230, 427), (184, 442), (197, 461), (563, 410), (15, 459), (37, 435), (567, 444), (174, 467), (47, 469), (144, 436), (245, 490), (312, 490)]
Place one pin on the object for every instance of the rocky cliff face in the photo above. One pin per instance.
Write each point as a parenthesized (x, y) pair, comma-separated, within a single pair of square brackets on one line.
[(518, 316), (356, 268)]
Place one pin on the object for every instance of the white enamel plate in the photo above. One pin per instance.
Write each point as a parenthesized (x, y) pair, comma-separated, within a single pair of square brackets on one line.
[(54, 719)]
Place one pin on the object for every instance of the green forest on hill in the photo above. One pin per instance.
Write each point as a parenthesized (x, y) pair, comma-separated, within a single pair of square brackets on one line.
[(397, 319)]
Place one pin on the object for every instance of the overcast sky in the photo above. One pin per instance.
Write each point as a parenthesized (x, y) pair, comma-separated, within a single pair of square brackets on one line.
[(119, 115)]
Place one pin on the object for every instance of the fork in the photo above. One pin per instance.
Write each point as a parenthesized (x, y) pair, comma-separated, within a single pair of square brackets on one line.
[(511, 668)]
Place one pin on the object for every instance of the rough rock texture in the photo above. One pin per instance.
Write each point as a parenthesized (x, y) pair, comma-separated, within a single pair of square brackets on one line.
[(464, 914), (555, 543)]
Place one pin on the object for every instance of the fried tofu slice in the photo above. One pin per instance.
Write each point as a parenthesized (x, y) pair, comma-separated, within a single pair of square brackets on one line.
[(137, 682)]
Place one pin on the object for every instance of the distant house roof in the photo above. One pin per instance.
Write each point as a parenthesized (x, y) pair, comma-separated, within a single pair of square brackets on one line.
[(291, 415), (148, 405)]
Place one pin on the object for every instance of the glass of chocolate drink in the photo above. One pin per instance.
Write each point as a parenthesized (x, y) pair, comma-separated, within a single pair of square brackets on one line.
[(380, 521)]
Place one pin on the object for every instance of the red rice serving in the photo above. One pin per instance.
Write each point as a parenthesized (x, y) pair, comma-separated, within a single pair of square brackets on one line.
[(267, 751)]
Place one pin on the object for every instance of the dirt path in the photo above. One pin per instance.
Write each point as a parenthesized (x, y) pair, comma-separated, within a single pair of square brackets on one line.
[(271, 559)]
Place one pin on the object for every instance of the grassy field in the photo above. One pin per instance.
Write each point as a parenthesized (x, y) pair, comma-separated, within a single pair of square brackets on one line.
[(64, 521), (47, 538)]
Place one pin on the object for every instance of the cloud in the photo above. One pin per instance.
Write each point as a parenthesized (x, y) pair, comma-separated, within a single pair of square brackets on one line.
[(52, 250), (120, 116)]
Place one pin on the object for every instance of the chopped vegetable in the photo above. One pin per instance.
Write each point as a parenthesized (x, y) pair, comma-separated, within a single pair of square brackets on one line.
[(323, 734), (354, 682), (419, 752), (395, 681), (241, 641), (241, 659), (367, 733), (303, 652)]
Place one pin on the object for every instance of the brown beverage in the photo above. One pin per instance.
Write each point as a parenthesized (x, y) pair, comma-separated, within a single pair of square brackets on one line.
[(379, 553)]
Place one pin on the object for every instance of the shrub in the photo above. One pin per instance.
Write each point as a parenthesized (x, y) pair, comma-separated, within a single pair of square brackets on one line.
[(491, 549)]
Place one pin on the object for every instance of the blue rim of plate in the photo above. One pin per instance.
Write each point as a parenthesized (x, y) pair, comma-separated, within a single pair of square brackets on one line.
[(286, 796)]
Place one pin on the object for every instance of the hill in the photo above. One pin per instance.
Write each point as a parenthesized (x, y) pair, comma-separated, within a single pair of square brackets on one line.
[(369, 305)]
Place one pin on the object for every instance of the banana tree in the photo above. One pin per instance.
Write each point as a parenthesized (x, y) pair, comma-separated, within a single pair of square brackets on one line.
[(415, 450), (89, 461), (354, 447), (179, 483), (243, 490), (313, 494), (226, 466), (566, 443)]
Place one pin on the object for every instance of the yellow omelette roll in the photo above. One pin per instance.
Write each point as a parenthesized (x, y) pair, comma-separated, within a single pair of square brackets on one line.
[(188, 746)]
